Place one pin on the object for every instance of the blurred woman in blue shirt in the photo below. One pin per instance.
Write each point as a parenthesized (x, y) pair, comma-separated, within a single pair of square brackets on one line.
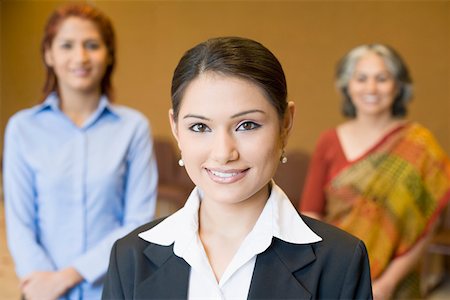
[(79, 172)]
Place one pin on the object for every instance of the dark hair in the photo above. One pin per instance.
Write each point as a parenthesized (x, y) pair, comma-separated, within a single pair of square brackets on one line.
[(396, 67), (232, 56), (105, 28)]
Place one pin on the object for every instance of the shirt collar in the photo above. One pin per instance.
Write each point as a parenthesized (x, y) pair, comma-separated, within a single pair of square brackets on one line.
[(104, 105), (287, 224), (51, 102), (278, 219), (179, 228)]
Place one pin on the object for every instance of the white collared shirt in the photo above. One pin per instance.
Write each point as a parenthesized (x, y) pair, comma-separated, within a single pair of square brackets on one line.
[(278, 219)]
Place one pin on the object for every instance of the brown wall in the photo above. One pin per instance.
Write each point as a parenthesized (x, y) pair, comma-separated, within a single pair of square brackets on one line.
[(307, 36)]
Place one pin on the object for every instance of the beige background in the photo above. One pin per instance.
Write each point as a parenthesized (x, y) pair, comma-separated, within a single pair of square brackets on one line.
[(308, 37)]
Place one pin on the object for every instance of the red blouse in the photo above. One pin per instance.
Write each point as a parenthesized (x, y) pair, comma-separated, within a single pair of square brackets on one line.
[(326, 162)]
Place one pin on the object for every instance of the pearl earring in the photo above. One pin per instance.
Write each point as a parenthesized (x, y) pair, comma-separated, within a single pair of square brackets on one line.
[(283, 158), (181, 162)]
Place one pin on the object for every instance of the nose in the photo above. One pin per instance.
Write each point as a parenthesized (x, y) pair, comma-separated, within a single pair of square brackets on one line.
[(371, 85), (224, 148), (80, 54)]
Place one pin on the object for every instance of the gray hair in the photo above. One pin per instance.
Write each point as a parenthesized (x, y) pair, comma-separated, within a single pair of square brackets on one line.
[(395, 65)]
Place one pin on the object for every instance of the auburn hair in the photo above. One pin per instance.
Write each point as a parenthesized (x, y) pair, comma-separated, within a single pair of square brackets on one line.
[(106, 30)]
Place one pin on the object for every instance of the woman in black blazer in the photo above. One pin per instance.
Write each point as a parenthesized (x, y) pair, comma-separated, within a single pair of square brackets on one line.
[(238, 235)]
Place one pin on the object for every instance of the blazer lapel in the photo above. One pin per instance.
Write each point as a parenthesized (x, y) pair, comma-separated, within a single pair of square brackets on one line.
[(168, 268), (273, 276)]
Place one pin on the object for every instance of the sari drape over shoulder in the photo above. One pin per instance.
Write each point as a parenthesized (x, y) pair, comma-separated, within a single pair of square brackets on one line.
[(391, 196)]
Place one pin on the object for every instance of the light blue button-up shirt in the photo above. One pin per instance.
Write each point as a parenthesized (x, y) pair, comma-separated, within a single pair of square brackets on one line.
[(70, 191)]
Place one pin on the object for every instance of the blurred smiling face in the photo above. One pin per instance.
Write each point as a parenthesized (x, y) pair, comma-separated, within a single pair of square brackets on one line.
[(229, 137), (372, 87), (78, 55)]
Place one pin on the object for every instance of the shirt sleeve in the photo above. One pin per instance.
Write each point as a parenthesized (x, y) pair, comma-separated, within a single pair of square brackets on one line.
[(313, 196), (139, 203), (20, 206)]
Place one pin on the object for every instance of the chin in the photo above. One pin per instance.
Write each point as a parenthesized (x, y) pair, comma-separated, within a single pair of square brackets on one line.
[(225, 194), (232, 195)]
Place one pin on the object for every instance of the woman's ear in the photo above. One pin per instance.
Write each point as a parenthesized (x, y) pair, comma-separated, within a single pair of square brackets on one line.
[(288, 122), (109, 60), (173, 126), (398, 89), (48, 57)]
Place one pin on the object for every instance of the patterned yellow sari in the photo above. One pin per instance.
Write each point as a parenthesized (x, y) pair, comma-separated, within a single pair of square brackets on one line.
[(392, 195)]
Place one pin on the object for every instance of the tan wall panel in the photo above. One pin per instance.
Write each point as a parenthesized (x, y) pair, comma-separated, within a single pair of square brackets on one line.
[(307, 36)]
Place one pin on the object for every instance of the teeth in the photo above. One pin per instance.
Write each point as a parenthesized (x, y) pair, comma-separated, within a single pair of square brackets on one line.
[(223, 175), (370, 98), (80, 71)]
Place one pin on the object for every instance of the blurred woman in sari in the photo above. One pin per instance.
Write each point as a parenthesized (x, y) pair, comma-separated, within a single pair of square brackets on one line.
[(378, 176)]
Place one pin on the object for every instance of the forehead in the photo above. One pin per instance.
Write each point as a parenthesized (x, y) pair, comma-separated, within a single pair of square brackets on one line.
[(74, 27), (371, 62), (216, 94)]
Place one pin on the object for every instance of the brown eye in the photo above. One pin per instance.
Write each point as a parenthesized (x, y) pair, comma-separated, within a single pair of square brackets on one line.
[(92, 45), (247, 125), (360, 78), (383, 78), (199, 127), (65, 46)]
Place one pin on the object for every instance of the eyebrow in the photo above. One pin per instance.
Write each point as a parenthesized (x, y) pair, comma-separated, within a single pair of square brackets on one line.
[(196, 116), (232, 117), (380, 72), (70, 39), (248, 112)]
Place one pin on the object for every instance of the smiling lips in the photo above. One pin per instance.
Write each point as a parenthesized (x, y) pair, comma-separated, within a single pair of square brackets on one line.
[(80, 72), (228, 176), (370, 98)]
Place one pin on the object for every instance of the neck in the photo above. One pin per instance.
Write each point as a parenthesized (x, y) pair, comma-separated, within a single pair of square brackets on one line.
[(376, 123), (78, 106), (231, 220)]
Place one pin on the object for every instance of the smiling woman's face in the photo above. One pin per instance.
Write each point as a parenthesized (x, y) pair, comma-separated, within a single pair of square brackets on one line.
[(78, 56), (372, 87), (230, 137)]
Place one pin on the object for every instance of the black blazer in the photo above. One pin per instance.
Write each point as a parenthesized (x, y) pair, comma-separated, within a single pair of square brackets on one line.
[(335, 268)]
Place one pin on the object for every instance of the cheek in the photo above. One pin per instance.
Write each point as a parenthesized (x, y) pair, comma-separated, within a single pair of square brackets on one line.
[(59, 67), (58, 61), (391, 89), (61, 64), (102, 62), (263, 148), (192, 147), (266, 160), (194, 154), (353, 88)]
